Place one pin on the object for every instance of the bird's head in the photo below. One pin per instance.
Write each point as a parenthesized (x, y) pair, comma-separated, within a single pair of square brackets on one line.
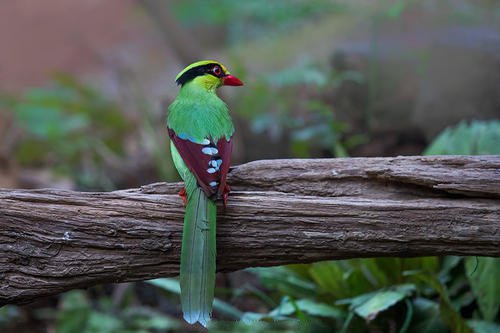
[(209, 74)]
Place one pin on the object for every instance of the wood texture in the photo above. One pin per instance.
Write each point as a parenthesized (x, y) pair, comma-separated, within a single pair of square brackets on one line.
[(280, 212)]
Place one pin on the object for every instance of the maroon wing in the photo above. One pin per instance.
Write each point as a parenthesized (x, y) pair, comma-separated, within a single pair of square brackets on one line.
[(209, 162)]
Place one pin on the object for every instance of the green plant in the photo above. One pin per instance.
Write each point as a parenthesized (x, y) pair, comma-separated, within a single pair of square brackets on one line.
[(449, 294), (78, 314), (256, 19), (383, 294), (467, 138), (71, 129), (290, 103), (9, 314)]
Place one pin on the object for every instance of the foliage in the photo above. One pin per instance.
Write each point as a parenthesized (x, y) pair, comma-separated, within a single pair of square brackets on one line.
[(256, 18), (343, 294), (9, 314), (482, 274), (474, 138), (382, 294), (290, 103), (78, 314), (70, 128), (449, 294)]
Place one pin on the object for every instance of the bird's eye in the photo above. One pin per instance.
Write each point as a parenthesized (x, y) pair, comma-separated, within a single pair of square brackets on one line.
[(216, 70)]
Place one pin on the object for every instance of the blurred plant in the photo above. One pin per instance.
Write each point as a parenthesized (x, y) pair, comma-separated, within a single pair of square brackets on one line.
[(9, 314), (474, 138), (291, 102), (70, 128), (383, 294), (258, 18), (77, 313)]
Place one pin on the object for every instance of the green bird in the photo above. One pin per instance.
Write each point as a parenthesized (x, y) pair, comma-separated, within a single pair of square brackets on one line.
[(200, 130)]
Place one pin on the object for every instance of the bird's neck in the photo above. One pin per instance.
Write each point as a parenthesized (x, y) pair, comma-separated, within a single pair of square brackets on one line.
[(201, 85), (200, 112), (193, 92)]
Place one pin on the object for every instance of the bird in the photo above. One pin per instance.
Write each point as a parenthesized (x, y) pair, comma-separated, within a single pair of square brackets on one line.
[(200, 131)]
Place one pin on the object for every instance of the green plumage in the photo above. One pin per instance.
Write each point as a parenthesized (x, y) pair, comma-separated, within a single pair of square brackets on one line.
[(198, 113), (197, 274)]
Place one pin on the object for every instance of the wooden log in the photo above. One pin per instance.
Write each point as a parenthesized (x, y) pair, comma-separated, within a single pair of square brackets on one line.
[(280, 212)]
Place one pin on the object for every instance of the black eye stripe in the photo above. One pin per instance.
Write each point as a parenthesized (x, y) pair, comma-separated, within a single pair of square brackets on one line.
[(198, 71)]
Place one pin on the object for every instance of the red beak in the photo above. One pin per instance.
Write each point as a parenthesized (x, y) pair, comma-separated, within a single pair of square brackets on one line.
[(230, 80)]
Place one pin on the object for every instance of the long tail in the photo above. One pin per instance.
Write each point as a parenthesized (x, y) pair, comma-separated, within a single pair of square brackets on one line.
[(197, 272)]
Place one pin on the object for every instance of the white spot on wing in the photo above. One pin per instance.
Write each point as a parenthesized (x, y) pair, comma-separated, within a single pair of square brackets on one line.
[(209, 150)]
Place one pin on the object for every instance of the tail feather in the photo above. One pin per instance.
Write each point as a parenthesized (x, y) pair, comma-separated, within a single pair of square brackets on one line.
[(197, 272)]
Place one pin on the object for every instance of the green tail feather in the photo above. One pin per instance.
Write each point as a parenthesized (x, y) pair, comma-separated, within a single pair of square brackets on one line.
[(197, 272)]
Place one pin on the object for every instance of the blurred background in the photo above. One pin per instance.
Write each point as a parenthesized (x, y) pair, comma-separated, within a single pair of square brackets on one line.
[(84, 90)]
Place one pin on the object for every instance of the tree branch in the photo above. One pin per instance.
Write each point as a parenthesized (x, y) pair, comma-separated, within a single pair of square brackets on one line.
[(280, 212)]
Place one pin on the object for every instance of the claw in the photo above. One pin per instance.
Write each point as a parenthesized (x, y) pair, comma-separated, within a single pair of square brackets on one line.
[(225, 194), (183, 195)]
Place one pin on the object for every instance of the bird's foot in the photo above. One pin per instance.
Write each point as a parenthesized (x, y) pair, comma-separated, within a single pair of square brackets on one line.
[(225, 194), (183, 195)]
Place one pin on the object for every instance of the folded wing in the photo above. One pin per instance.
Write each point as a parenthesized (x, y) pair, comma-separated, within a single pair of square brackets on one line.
[(207, 159)]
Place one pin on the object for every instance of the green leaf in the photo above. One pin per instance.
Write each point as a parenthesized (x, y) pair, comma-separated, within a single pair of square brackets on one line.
[(75, 312), (382, 300), (9, 314), (374, 271), (262, 324), (480, 326), (168, 284), (299, 74), (448, 263), (476, 138), (377, 303), (450, 316), (148, 319), (103, 323), (329, 276), (369, 305), (285, 280), (483, 273), (308, 306), (427, 317), (227, 309), (250, 317)]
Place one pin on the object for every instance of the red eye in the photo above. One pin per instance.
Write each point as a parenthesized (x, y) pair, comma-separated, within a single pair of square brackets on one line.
[(216, 70)]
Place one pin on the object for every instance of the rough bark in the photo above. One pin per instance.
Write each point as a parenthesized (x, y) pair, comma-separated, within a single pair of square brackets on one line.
[(280, 212)]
